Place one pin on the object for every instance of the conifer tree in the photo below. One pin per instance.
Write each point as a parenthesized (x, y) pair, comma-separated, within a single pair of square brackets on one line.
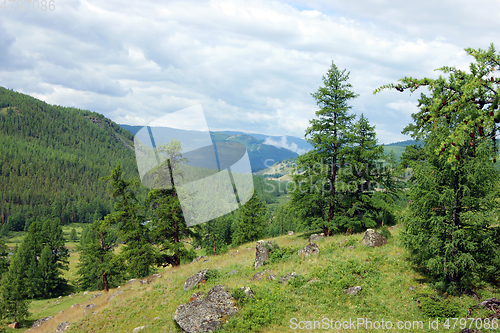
[(316, 188), (13, 298), (73, 236), (252, 223), (48, 273), (4, 258), (450, 230)]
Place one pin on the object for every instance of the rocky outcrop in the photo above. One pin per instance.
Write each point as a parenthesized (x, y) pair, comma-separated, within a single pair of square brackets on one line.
[(207, 314), (40, 321), (262, 251), (373, 239), (199, 277), (310, 249), (63, 327), (315, 237)]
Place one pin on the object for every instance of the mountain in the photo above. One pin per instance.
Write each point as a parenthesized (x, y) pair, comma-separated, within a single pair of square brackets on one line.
[(292, 143), (52, 159), (261, 155)]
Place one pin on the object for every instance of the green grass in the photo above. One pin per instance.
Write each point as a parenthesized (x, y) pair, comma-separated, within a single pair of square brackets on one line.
[(384, 274)]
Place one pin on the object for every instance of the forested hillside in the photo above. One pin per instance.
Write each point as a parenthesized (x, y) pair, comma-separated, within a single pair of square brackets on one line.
[(51, 159)]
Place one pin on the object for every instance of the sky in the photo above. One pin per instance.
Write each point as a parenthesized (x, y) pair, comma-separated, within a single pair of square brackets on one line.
[(251, 65)]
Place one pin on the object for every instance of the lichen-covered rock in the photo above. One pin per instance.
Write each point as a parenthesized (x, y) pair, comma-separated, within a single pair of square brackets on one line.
[(354, 290), (63, 326), (199, 277), (40, 321), (195, 296), (315, 237), (310, 249), (287, 277), (207, 314), (271, 277), (373, 239), (262, 251)]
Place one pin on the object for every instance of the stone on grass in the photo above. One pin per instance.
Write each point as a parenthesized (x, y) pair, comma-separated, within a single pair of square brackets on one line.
[(248, 292), (271, 277), (315, 237), (207, 314), (262, 252), (310, 249), (95, 296), (257, 276), (373, 239), (198, 259), (287, 277), (354, 290), (291, 233), (40, 321), (63, 327), (88, 308), (137, 329), (113, 295), (199, 277)]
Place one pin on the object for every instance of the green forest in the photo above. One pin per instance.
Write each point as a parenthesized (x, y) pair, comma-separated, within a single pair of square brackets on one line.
[(61, 166)]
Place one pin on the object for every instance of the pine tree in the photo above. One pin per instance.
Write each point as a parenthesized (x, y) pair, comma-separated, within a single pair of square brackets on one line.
[(316, 188), (13, 300), (450, 230), (73, 236), (252, 224), (48, 273), (4, 258)]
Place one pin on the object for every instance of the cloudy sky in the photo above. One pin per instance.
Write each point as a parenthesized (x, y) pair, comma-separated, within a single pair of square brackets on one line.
[(250, 64)]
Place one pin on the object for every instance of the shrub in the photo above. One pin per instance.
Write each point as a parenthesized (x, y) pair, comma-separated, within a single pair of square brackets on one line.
[(434, 306)]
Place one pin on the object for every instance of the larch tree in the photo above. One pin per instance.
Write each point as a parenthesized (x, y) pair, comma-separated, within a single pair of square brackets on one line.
[(316, 186), (450, 230), (252, 223)]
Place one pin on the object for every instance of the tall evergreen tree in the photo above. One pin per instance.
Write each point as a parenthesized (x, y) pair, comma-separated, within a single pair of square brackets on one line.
[(451, 231), (48, 273), (252, 224), (316, 188), (13, 298), (4, 258)]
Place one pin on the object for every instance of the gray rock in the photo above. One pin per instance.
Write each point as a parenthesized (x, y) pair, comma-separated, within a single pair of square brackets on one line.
[(232, 272), (310, 249), (113, 295), (95, 296), (257, 276), (287, 277), (85, 293), (490, 304), (207, 314), (131, 281), (315, 237), (40, 321), (291, 233), (76, 305), (354, 290), (262, 251), (204, 261), (198, 259), (63, 326), (89, 307), (197, 248), (271, 277), (137, 329), (373, 239), (249, 292), (195, 279)]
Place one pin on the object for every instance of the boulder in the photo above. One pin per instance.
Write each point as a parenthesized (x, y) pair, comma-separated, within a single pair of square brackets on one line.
[(63, 327), (137, 329), (287, 277), (197, 248), (310, 249), (40, 321), (315, 237), (491, 304), (271, 277), (262, 251), (354, 290), (199, 277), (95, 296), (14, 325), (291, 233), (373, 239), (207, 314)]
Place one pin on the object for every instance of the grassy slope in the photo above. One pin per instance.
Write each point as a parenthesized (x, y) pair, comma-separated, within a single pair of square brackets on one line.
[(384, 274)]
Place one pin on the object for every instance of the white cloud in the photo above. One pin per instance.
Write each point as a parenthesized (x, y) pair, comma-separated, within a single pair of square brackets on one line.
[(251, 65)]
